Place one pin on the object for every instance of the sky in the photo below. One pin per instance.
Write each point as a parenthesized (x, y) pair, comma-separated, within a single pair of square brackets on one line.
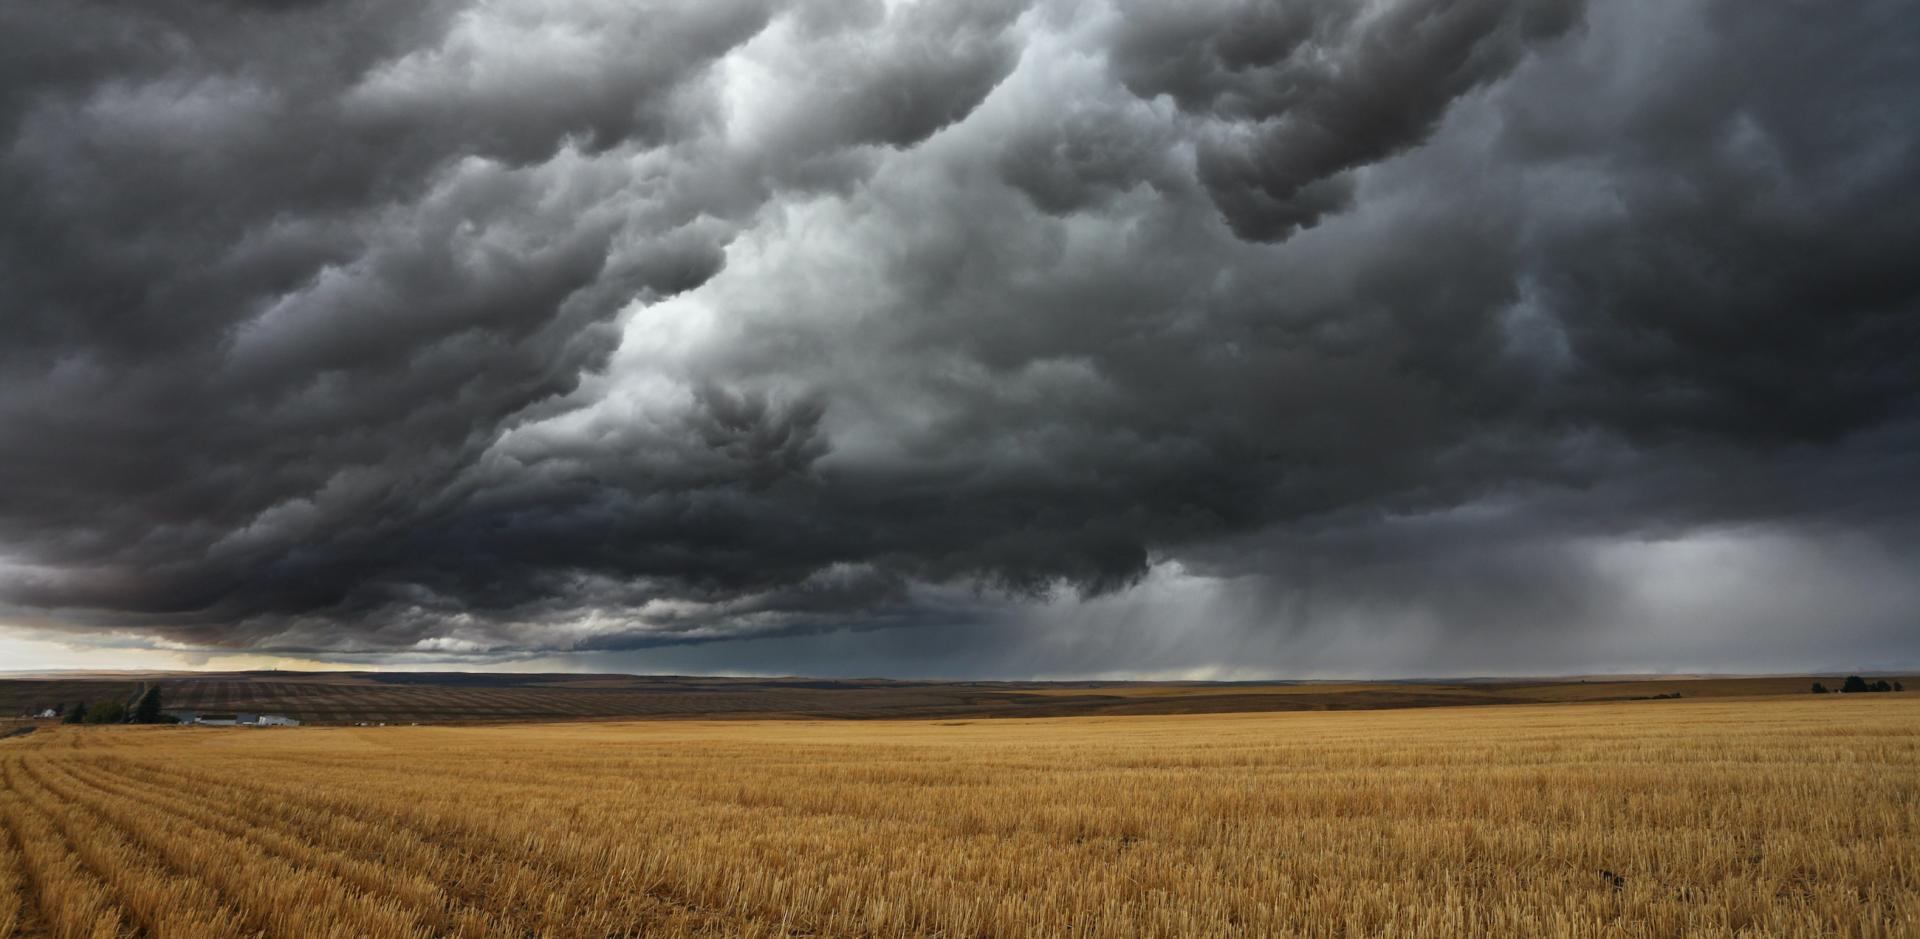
[(1000, 339)]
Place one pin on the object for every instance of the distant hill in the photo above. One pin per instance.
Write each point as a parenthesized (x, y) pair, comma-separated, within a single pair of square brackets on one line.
[(447, 697)]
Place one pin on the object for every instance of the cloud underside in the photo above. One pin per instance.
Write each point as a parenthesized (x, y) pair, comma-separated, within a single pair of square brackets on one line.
[(505, 328)]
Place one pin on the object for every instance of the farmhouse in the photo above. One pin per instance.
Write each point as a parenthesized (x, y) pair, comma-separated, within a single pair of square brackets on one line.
[(237, 720)]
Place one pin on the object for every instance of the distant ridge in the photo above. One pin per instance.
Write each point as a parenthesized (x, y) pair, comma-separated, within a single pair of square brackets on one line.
[(468, 697)]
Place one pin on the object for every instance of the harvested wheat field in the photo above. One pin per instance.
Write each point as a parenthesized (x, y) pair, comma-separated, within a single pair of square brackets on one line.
[(1764, 817)]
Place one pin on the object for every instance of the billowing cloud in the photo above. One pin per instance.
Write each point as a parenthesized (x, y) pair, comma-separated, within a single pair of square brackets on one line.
[(497, 327)]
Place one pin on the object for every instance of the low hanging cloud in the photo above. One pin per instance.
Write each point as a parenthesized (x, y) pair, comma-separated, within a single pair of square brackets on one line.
[(506, 328)]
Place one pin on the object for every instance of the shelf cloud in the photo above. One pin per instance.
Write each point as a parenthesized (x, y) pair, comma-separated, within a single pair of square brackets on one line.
[(989, 338)]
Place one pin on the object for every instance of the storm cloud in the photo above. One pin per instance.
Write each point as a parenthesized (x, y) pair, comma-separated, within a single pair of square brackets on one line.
[(1104, 335)]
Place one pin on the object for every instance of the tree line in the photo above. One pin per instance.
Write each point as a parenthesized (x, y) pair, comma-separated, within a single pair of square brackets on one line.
[(112, 711), (1856, 685)]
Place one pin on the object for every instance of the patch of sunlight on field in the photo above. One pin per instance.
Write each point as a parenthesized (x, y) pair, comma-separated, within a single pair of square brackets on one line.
[(1765, 817)]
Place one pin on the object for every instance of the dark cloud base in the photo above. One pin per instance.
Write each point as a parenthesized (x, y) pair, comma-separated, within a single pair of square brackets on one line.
[(338, 328)]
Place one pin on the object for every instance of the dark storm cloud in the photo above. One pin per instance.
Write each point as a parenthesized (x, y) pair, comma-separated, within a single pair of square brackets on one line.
[(1305, 92), (510, 327)]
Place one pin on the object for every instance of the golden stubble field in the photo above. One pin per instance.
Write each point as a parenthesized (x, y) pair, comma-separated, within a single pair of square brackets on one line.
[(1763, 817)]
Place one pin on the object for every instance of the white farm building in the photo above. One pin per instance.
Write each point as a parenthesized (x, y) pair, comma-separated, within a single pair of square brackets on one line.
[(237, 720)]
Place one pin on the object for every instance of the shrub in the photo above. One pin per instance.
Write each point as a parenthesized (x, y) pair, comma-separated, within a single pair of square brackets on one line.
[(1854, 685), (106, 712), (148, 711)]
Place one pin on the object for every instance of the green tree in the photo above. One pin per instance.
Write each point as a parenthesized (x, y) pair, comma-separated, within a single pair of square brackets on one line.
[(106, 712), (1819, 688), (148, 711), (1854, 685), (76, 714)]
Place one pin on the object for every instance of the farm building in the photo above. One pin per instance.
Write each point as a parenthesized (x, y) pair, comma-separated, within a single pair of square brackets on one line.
[(237, 720)]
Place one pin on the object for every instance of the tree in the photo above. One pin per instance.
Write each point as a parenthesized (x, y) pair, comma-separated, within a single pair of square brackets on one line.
[(1819, 688), (148, 711), (1899, 687), (106, 712), (75, 715), (1854, 685), (1880, 685)]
